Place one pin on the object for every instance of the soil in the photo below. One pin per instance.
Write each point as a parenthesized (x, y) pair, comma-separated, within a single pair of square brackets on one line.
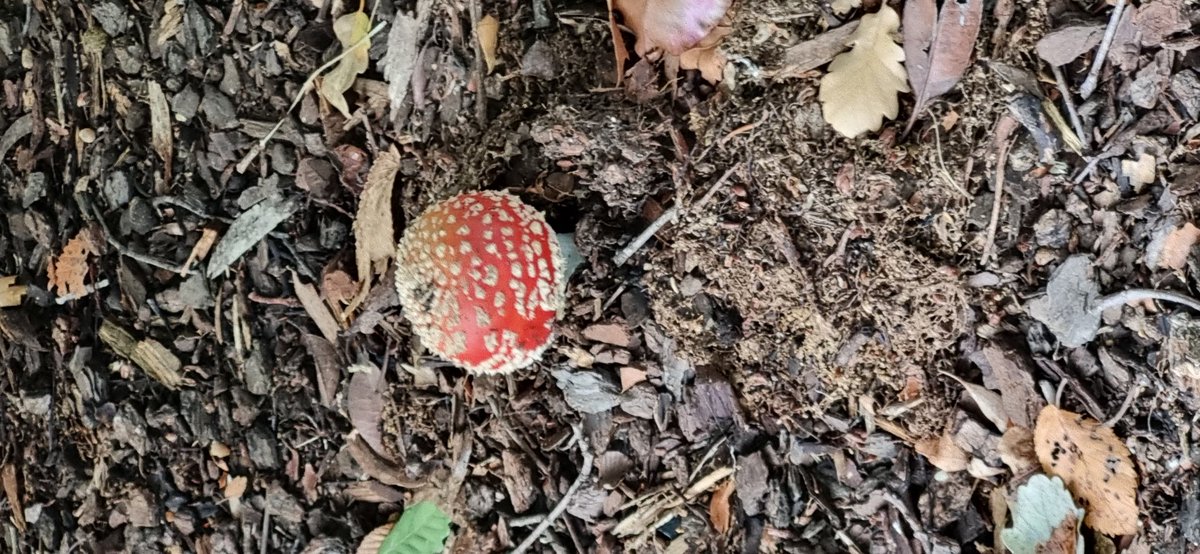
[(801, 325)]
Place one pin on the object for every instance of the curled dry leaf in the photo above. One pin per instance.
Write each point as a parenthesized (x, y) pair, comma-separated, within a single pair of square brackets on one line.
[(488, 33), (364, 402), (374, 540), (351, 30), (1094, 464), (862, 85), (718, 507)]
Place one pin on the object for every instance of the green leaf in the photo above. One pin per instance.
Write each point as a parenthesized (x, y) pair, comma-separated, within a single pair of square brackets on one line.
[(422, 529), (1045, 519)]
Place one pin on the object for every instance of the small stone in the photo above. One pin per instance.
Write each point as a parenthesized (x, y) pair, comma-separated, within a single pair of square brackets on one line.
[(87, 135), (1053, 229), (184, 104), (116, 189), (218, 109), (539, 62)]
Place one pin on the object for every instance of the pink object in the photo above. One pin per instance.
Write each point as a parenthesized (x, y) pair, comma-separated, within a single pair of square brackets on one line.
[(673, 25), (480, 277)]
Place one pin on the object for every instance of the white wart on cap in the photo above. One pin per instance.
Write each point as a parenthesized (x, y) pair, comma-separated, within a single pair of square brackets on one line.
[(480, 277)]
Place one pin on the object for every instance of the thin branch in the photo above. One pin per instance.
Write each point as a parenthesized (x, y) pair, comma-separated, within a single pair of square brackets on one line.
[(1076, 123), (1093, 76), (584, 474), (664, 219), (1136, 295), (1004, 129)]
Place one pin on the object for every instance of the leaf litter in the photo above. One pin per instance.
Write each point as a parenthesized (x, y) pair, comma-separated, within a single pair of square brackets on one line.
[(860, 88)]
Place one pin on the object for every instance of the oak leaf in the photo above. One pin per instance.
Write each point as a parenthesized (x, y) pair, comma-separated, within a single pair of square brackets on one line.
[(1095, 466), (861, 86)]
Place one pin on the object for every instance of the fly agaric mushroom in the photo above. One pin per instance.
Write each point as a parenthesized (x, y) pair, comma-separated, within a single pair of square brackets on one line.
[(481, 280)]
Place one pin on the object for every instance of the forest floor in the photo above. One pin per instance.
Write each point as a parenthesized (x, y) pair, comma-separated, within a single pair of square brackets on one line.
[(809, 358)]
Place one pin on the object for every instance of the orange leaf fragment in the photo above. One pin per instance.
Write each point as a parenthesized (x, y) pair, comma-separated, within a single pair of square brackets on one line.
[(67, 271), (718, 507), (1095, 466)]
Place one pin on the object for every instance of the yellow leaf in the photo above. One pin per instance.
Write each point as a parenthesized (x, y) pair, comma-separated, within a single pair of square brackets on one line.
[(350, 29), (488, 33), (10, 292), (861, 86), (1094, 464)]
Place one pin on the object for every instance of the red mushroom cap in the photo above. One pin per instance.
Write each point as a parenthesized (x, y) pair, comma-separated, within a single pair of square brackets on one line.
[(481, 280)]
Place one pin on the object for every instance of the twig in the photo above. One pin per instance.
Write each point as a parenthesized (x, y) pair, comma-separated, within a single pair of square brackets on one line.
[(1135, 295), (1089, 84), (1004, 128), (667, 217), (1129, 398), (1076, 123), (584, 474), (266, 530), (129, 253), (480, 74)]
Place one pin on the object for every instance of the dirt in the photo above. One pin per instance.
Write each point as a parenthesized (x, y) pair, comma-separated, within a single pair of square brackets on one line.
[(798, 328)]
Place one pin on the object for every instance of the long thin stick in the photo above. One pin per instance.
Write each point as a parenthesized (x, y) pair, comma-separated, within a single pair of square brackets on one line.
[(584, 474), (1093, 76), (1076, 123), (1004, 128), (664, 219), (1134, 295)]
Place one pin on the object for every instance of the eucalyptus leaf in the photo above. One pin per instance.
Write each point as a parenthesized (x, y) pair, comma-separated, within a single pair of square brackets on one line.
[(422, 529)]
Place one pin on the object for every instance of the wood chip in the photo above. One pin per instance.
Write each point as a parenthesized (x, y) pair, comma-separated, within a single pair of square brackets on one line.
[(11, 490), (608, 333), (316, 309), (250, 227), (11, 293), (155, 359)]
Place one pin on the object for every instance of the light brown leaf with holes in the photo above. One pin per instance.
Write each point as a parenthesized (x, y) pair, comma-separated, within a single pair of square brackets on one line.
[(68, 270), (719, 512), (373, 227), (1094, 464), (862, 85)]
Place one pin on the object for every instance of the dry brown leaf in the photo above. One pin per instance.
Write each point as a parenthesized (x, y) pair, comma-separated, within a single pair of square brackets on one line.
[(620, 51), (10, 292), (943, 453), (718, 508), (67, 271), (1095, 466), (862, 85), (988, 401), (488, 33), (370, 544), (364, 402), (707, 56), (316, 308), (9, 475), (235, 487), (1016, 450), (1178, 246), (350, 30), (938, 46), (374, 244)]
